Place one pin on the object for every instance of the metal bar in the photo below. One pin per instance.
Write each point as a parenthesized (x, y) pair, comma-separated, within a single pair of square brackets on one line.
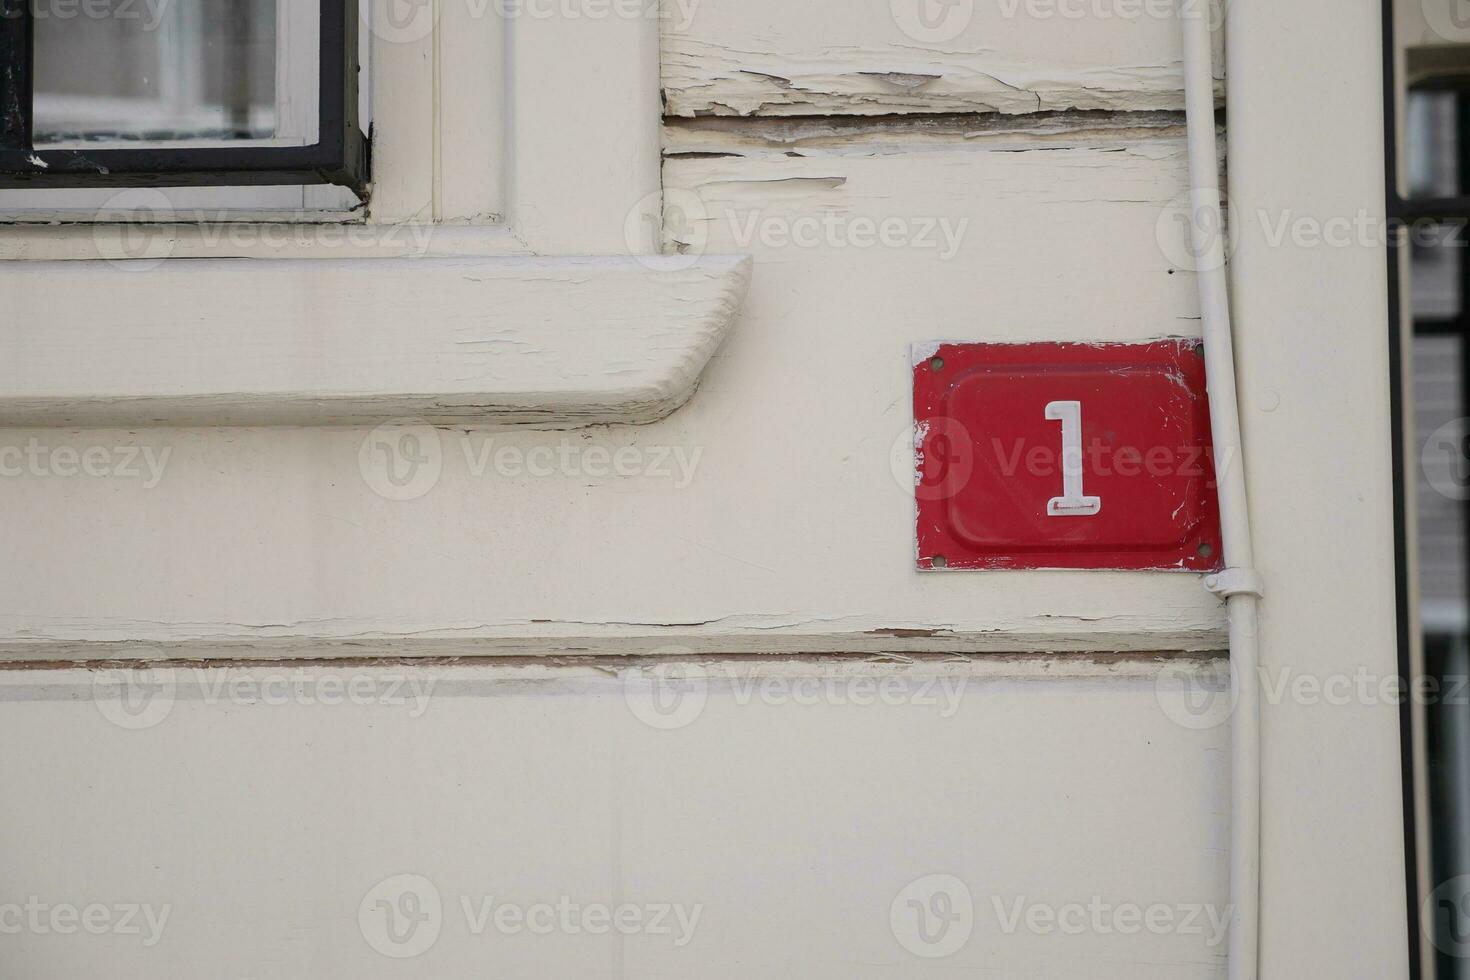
[(1396, 341), (169, 167), (1429, 208), (1462, 150), (17, 45), (236, 86), (1454, 326), (340, 126)]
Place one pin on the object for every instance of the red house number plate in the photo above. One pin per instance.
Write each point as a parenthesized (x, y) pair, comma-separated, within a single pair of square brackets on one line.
[(1064, 456)]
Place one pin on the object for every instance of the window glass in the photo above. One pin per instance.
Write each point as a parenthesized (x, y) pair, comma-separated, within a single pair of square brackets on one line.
[(1433, 79), (192, 72), (1438, 269), (1431, 151)]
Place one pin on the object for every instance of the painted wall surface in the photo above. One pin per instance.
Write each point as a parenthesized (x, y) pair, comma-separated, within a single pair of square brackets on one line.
[(685, 670), (804, 820)]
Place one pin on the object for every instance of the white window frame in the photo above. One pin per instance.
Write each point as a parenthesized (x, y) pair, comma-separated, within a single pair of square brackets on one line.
[(525, 134), (507, 269)]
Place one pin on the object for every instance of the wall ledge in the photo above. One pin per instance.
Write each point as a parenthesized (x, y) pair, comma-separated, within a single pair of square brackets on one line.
[(548, 342)]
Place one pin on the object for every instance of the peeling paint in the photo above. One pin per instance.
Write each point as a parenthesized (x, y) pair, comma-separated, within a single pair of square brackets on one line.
[(703, 76)]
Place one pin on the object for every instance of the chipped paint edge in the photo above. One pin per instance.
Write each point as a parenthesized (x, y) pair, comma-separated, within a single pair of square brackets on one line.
[(1172, 631)]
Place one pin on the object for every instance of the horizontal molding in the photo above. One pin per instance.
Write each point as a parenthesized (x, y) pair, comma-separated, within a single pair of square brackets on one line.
[(553, 342), (74, 683), (1168, 631)]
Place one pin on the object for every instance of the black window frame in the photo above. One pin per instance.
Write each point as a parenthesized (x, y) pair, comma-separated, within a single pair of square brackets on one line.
[(340, 156), (1404, 213)]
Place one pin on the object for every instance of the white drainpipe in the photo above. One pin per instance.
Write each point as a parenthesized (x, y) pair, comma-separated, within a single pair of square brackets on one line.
[(1238, 584)]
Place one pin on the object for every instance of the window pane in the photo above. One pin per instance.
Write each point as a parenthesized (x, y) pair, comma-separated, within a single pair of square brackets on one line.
[(1431, 153), (194, 72), (1438, 417), (1437, 270), (1434, 79)]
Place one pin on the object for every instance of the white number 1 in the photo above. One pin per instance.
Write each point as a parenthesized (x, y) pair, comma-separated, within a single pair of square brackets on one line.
[(1072, 502)]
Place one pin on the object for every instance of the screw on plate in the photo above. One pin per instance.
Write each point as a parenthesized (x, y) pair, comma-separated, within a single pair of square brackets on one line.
[(937, 364)]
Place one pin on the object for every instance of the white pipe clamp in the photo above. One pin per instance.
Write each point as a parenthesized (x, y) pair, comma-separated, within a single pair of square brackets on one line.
[(1234, 581)]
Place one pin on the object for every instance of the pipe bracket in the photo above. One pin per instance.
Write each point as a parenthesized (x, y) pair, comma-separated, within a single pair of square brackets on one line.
[(1234, 581)]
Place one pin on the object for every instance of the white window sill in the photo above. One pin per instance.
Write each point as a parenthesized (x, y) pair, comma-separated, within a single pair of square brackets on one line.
[(556, 342)]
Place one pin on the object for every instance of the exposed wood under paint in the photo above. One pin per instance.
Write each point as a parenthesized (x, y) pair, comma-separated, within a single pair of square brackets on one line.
[(817, 89), (769, 57), (715, 136), (753, 635), (1031, 665)]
